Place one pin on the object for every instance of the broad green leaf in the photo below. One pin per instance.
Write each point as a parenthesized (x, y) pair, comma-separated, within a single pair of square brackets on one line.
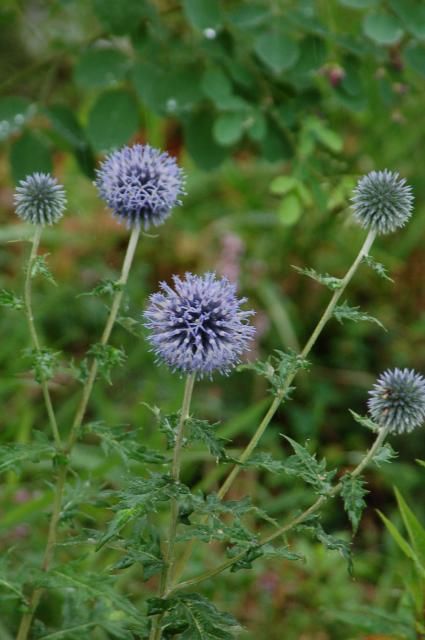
[(414, 528), (248, 16), (283, 184), (15, 111), (202, 15), (277, 50), (200, 142), (359, 4), (256, 126), (290, 209), (120, 17), (353, 493), (412, 14), (228, 128), (414, 54), (29, 154), (113, 120), (98, 68), (382, 28), (216, 85)]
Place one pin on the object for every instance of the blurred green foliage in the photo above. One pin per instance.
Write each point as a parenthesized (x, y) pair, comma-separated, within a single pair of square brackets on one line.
[(274, 108)]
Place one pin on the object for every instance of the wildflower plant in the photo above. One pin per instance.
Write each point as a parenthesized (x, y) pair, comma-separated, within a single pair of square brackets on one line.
[(199, 328)]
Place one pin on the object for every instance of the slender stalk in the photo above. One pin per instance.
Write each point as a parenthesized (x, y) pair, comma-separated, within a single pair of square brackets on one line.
[(73, 435), (290, 525), (33, 331), (281, 393), (169, 555)]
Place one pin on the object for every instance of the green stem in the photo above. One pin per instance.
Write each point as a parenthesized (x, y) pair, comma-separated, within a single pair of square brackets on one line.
[(290, 525), (169, 554), (281, 393), (33, 332), (73, 435)]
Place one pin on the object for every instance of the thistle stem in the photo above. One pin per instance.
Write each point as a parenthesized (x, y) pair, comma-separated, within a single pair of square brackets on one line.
[(383, 432), (169, 555), (73, 435), (282, 391), (33, 331)]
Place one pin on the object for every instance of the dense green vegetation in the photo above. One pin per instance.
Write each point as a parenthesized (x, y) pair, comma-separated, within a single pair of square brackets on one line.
[(273, 108)]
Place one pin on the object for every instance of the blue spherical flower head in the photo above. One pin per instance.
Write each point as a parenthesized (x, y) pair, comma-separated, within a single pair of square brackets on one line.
[(39, 199), (140, 184), (397, 400), (382, 201), (198, 326)]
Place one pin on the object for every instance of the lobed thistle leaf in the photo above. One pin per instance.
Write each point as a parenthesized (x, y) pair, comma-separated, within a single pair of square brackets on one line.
[(345, 312), (378, 267), (278, 367), (140, 184), (198, 327), (353, 493), (11, 300), (39, 199), (43, 362), (305, 465), (397, 400), (382, 201), (325, 279), (39, 267), (205, 432), (107, 358)]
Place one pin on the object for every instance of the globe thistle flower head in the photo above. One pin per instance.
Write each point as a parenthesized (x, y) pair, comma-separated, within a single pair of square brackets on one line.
[(140, 184), (39, 199), (397, 400), (198, 326), (382, 201)]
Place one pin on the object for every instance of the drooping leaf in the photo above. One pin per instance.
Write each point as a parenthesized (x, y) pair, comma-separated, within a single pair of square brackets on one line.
[(353, 492), (345, 312), (377, 267), (328, 281), (365, 421)]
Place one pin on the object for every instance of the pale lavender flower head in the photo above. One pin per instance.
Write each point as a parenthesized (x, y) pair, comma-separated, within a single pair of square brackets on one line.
[(382, 201), (140, 184), (397, 400), (198, 326), (39, 199)]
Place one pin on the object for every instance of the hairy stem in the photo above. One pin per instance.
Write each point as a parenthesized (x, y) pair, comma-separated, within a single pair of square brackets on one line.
[(73, 435), (169, 555), (383, 432), (33, 332), (281, 393)]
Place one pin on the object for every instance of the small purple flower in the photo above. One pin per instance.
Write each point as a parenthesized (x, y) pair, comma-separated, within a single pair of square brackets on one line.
[(140, 184), (382, 201), (397, 400), (198, 327), (40, 199)]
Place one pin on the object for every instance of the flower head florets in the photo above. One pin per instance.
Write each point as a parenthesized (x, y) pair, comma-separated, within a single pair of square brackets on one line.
[(140, 184), (382, 201), (198, 326), (39, 199), (397, 400)]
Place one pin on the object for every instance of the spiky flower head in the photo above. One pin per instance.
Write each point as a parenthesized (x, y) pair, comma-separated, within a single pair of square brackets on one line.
[(397, 400), (198, 326), (382, 201), (140, 184), (39, 199)]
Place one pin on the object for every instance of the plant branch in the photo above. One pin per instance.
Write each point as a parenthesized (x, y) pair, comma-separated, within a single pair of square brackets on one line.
[(33, 332), (169, 556), (383, 432)]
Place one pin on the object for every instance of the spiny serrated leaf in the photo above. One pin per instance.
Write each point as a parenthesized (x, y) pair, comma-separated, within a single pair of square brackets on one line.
[(39, 268), (377, 267), (124, 442), (365, 421), (330, 542), (13, 456), (384, 454), (106, 287), (277, 368), (325, 279), (264, 551), (11, 300), (306, 466), (345, 312), (107, 358), (205, 432), (194, 618), (144, 550), (43, 363), (80, 371), (353, 493), (264, 462)]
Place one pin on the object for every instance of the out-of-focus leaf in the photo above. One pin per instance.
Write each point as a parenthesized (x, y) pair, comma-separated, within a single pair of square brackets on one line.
[(98, 68), (277, 50), (113, 120), (29, 154), (382, 28)]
